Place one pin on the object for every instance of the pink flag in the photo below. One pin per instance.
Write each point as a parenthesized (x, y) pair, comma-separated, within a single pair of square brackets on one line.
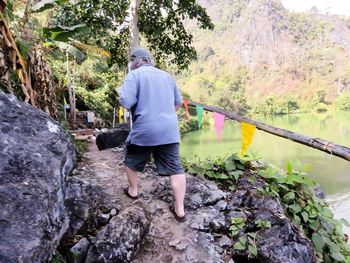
[(219, 123)]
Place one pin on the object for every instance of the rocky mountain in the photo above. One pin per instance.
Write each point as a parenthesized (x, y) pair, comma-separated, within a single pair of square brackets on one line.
[(260, 49)]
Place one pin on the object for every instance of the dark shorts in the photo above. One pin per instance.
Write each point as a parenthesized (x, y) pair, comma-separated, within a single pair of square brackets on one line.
[(166, 157)]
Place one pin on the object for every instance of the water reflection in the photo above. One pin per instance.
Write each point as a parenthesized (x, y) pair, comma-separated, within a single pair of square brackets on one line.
[(332, 173)]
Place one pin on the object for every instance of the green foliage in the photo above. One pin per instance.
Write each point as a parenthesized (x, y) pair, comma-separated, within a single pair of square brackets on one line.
[(81, 146), (236, 224), (191, 124), (105, 19), (295, 190), (247, 242), (160, 23), (223, 171), (343, 102), (263, 224), (95, 85), (307, 211)]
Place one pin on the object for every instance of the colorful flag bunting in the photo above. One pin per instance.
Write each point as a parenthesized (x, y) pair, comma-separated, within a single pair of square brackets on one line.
[(121, 113), (199, 110), (247, 136), (219, 124), (186, 108)]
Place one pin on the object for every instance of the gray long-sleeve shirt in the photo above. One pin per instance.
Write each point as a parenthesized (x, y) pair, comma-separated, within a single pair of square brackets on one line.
[(151, 94)]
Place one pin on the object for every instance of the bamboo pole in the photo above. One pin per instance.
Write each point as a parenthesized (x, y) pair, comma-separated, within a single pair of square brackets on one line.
[(316, 143)]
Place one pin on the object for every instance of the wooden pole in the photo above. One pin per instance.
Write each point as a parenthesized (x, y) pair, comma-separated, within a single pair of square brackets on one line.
[(316, 143), (113, 117)]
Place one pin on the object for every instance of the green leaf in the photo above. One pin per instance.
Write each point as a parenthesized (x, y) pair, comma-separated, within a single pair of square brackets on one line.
[(43, 5), (344, 222), (252, 234), (232, 188), (335, 254), (318, 242), (305, 216), (240, 166), (295, 207), (326, 212), (64, 33), (76, 53), (230, 166), (221, 176), (236, 174), (211, 174), (253, 250), (289, 197), (239, 246)]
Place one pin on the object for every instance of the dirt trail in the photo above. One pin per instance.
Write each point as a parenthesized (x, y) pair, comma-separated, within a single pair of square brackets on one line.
[(167, 241)]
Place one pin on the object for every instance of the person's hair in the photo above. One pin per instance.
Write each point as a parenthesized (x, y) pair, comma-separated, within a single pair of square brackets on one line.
[(139, 61)]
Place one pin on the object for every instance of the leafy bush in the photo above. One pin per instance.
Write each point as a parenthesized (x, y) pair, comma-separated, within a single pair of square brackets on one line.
[(310, 213), (296, 193), (343, 102)]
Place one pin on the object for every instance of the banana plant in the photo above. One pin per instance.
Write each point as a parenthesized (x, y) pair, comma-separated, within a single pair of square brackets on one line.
[(64, 38)]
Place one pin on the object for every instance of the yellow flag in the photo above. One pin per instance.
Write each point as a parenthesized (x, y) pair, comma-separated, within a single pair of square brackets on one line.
[(121, 113), (247, 136)]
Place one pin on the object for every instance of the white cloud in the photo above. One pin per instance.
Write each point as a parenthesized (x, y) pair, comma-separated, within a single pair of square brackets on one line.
[(340, 7)]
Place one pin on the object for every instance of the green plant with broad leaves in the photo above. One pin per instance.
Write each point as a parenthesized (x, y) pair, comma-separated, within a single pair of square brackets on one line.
[(237, 223), (310, 213), (224, 171), (296, 192), (247, 242)]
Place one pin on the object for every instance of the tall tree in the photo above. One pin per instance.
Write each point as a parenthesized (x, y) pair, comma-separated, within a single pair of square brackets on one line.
[(160, 24)]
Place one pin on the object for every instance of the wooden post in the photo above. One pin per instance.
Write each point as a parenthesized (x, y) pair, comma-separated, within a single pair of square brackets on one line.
[(316, 143), (133, 27), (113, 117)]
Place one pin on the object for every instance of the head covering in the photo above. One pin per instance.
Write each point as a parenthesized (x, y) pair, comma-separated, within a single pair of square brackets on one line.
[(140, 53)]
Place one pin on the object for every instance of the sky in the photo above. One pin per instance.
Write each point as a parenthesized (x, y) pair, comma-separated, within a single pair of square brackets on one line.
[(340, 7)]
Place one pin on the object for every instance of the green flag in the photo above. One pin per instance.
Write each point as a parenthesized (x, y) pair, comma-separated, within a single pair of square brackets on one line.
[(199, 110)]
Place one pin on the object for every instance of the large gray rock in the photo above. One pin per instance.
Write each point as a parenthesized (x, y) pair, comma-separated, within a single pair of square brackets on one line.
[(88, 210), (36, 157), (120, 239), (78, 252), (282, 242)]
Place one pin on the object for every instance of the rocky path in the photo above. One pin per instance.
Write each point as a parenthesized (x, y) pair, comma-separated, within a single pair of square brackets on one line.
[(166, 240)]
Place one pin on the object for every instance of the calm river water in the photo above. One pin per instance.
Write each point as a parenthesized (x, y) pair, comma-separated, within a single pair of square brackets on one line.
[(332, 173)]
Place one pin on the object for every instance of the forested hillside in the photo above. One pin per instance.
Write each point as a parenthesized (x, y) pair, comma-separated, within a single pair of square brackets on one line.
[(263, 58)]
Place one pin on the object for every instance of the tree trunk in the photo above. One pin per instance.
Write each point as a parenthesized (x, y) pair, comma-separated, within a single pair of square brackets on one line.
[(71, 95), (317, 143), (134, 29)]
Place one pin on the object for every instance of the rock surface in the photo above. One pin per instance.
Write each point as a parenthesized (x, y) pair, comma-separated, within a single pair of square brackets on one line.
[(77, 253), (36, 157), (204, 236), (166, 240), (120, 239)]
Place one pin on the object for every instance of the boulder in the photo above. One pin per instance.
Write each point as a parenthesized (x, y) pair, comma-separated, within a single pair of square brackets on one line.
[(120, 239), (83, 204), (36, 157), (77, 253), (113, 138), (280, 243)]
